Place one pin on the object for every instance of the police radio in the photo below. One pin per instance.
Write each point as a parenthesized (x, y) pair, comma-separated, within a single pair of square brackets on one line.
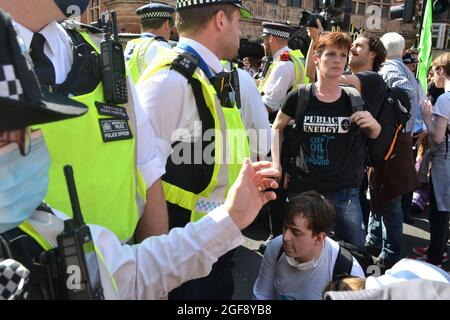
[(113, 67), (77, 252)]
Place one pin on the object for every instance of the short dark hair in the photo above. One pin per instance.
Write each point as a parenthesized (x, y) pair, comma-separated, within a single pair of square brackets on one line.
[(376, 46), (317, 211), (330, 39), (155, 23), (194, 19)]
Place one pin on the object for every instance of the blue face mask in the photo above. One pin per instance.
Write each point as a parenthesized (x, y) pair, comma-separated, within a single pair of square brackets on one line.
[(23, 182), (72, 8)]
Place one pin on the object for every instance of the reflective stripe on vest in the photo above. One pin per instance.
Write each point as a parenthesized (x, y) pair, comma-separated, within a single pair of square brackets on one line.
[(110, 188), (299, 64), (44, 227), (231, 147), (136, 63)]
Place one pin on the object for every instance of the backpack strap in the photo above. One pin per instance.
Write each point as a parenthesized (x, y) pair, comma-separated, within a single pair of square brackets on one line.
[(236, 87), (304, 94), (355, 98), (280, 253), (343, 264), (447, 135)]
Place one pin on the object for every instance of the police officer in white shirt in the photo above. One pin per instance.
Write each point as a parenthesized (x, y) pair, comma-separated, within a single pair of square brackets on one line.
[(157, 22), (144, 271), (189, 90), (39, 23), (285, 71)]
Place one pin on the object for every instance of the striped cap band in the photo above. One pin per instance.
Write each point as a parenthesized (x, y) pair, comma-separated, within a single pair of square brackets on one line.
[(155, 15), (276, 33)]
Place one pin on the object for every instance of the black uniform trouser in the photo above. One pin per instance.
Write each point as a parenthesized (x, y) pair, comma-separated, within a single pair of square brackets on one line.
[(218, 284)]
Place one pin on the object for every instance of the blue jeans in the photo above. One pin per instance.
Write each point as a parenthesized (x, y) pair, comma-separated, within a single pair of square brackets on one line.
[(349, 219), (385, 231), (349, 224)]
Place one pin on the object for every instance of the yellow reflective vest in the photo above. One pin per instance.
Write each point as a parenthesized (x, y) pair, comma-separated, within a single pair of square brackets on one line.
[(298, 59), (135, 62), (44, 227), (110, 187), (230, 147)]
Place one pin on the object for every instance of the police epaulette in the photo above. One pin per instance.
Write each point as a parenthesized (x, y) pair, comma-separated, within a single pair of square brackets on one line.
[(186, 64), (72, 24)]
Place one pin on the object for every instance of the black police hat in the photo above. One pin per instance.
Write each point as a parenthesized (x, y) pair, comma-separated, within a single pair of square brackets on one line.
[(188, 4), (155, 10), (125, 37), (277, 29), (21, 100)]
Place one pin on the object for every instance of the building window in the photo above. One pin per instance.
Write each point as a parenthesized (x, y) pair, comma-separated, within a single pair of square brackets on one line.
[(271, 1), (361, 9), (294, 3), (438, 35), (448, 38), (94, 11), (354, 4)]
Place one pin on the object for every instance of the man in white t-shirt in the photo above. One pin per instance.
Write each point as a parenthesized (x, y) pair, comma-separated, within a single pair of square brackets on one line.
[(300, 263)]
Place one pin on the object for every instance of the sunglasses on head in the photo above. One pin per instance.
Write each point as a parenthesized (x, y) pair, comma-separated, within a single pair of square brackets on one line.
[(21, 136)]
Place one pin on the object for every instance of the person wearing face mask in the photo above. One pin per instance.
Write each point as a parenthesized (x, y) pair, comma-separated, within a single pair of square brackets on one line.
[(28, 229), (298, 264), (113, 149)]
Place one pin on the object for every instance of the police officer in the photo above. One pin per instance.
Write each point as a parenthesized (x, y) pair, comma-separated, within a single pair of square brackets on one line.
[(189, 101), (124, 38), (285, 71), (156, 24), (111, 165), (144, 271)]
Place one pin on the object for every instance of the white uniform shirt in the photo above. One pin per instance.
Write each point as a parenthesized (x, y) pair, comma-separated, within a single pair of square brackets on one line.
[(169, 102), (58, 49), (408, 269), (280, 78), (151, 51), (279, 280), (151, 269)]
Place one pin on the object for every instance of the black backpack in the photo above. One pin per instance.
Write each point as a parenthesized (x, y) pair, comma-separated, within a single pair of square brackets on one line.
[(344, 261), (292, 154), (392, 116)]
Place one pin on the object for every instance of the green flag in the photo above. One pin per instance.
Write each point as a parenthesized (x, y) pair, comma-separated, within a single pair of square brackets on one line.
[(425, 57)]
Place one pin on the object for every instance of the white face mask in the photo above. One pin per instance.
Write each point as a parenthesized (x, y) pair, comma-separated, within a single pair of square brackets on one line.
[(23, 181), (304, 266)]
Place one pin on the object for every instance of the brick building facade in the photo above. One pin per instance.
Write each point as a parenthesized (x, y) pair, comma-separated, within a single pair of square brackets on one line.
[(362, 18)]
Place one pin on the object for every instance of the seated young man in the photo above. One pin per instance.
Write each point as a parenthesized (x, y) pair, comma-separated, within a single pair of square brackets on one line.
[(308, 256)]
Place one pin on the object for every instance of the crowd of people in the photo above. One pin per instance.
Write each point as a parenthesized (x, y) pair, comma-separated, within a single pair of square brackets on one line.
[(178, 148)]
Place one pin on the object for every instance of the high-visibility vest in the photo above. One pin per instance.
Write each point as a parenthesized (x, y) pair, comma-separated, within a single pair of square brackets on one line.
[(44, 227), (298, 59), (228, 158), (110, 187), (136, 62)]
